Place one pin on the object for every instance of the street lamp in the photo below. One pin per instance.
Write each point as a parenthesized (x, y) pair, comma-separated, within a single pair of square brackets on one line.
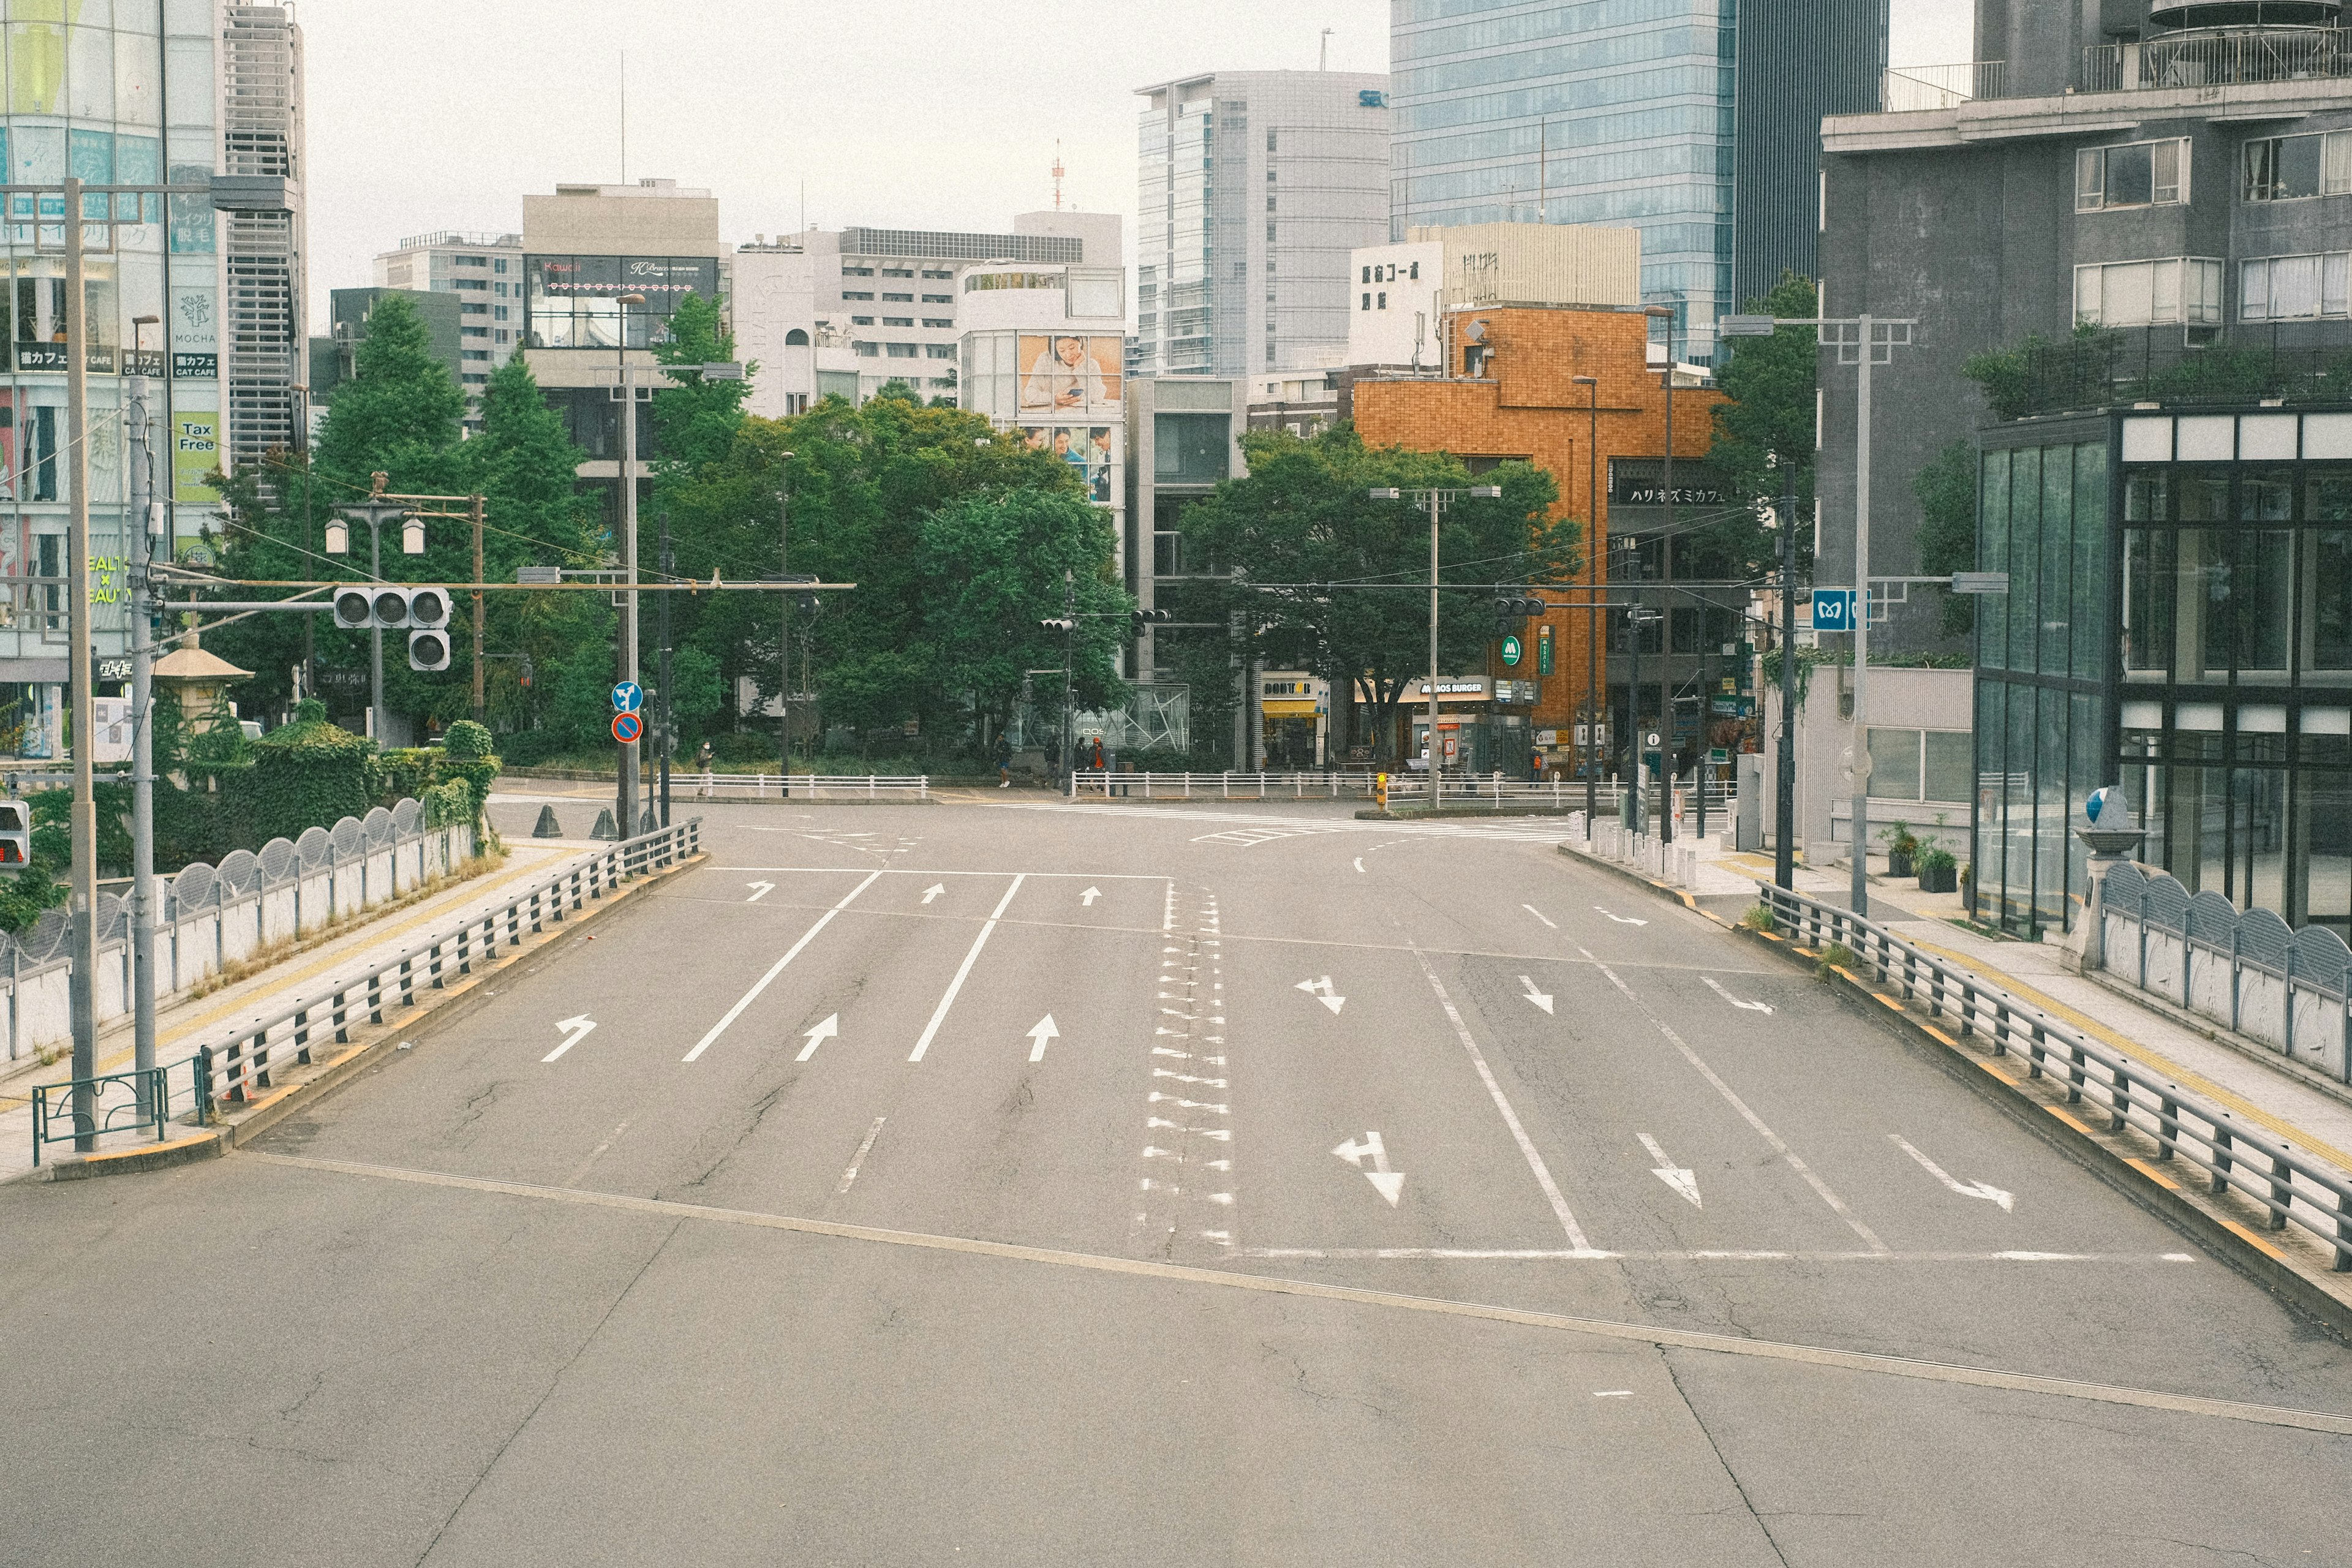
[(1437, 500), (1666, 604), (1596, 606)]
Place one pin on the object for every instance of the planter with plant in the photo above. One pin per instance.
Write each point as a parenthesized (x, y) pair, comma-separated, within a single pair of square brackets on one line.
[(1902, 849), (1938, 872)]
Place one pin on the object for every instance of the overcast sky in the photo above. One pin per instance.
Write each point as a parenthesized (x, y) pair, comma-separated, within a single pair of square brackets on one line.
[(431, 114)]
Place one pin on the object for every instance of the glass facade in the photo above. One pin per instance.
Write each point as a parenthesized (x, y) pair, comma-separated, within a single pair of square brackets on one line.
[(1176, 244), (1606, 111), (573, 302), (2179, 622)]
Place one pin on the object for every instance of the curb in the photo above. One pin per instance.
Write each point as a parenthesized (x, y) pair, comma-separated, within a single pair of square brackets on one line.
[(432, 1010), (1376, 815), (1627, 874), (2310, 1292)]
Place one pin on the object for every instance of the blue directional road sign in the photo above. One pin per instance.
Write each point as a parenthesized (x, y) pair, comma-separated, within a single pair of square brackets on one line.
[(1833, 609), (628, 697)]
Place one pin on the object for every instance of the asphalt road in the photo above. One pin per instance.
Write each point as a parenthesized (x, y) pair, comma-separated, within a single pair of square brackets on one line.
[(930, 1186)]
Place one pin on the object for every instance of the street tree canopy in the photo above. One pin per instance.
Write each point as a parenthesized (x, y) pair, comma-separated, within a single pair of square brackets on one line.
[(1764, 423)]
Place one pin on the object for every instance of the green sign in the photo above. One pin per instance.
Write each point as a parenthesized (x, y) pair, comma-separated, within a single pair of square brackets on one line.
[(1511, 651), (1543, 651)]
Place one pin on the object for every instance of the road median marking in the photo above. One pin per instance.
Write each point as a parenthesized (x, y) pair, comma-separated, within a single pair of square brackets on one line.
[(2326, 1422)]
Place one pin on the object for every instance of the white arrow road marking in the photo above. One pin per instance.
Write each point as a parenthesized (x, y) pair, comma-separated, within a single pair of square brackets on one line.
[(1389, 1184), (939, 1013), (1984, 1189), (1541, 999), (933, 892), (1360, 864), (829, 1030), (1719, 991), (1622, 920), (1044, 1031), (1321, 991), (759, 890), (777, 968), (574, 1031), (1539, 914), (1676, 1176), (1086, 900)]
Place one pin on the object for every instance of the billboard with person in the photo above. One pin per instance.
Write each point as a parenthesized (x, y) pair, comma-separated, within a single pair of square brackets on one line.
[(1069, 374)]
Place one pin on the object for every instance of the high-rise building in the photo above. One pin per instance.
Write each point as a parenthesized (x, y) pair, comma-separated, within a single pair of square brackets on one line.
[(201, 303), (1696, 120), (1255, 186), (485, 272), (845, 312)]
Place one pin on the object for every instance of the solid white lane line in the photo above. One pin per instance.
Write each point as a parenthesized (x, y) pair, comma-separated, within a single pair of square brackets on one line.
[(1539, 914), (1694, 1255), (1820, 1188), (778, 967), (1510, 1117), (858, 1159), (939, 1013)]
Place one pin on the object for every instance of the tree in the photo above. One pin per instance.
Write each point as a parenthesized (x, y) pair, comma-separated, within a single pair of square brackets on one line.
[(1947, 488), (1767, 424), (1330, 579)]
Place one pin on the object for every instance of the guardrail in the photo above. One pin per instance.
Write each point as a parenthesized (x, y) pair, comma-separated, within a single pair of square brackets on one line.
[(2288, 1185), (802, 786), (233, 1065), (115, 1102)]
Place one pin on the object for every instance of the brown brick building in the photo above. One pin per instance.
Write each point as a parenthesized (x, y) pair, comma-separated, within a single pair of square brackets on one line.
[(1514, 395)]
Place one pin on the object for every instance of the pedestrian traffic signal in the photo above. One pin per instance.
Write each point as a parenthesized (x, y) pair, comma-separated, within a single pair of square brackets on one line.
[(390, 606), (428, 650), (15, 833)]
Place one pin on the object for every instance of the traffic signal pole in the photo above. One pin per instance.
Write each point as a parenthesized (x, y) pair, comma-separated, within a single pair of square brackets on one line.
[(142, 742), (83, 896)]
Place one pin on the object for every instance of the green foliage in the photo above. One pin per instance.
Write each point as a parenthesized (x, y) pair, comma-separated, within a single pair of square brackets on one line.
[(1835, 956), (1304, 516), (451, 804), (307, 773), (1947, 488), (52, 812), (1759, 917), (1937, 859), (2019, 381), (1767, 422)]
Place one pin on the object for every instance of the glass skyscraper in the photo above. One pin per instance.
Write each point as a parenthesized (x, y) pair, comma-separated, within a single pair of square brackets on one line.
[(1695, 121)]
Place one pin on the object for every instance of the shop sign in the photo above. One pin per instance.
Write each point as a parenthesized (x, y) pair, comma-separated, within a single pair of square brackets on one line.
[(1512, 652)]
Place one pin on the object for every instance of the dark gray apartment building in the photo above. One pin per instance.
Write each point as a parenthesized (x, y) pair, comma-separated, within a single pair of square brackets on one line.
[(2146, 211)]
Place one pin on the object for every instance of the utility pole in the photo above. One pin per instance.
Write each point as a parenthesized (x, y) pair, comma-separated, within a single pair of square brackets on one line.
[(1600, 605), (82, 720), (142, 638), (481, 708), (1666, 604), (627, 819), (1784, 791), (784, 642), (1437, 500), (379, 716), (666, 743)]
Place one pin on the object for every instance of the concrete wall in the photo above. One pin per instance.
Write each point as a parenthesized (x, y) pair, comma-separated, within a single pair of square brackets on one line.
[(1892, 699)]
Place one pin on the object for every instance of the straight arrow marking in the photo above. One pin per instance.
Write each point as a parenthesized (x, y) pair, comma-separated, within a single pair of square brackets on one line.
[(1086, 900), (1540, 998), (933, 892), (1984, 1189), (1044, 1031), (829, 1030), (574, 1031), (778, 968), (1683, 1181), (759, 890), (1719, 991)]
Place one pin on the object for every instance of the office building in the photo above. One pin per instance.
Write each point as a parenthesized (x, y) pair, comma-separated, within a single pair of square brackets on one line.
[(333, 358), (1183, 439), (2161, 488), (1406, 293), (132, 96), (845, 312), (1695, 121), (585, 248), (1254, 188), (483, 272)]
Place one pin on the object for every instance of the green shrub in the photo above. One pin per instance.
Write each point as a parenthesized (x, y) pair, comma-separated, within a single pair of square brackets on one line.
[(308, 773), (1937, 859), (1759, 917), (449, 804), (1837, 955)]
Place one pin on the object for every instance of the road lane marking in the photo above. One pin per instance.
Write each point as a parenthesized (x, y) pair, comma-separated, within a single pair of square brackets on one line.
[(1086, 900), (753, 995), (574, 1031), (939, 1013), (2328, 1422), (1683, 1182), (1612, 1393), (1820, 1188), (829, 1029), (1510, 1117), (933, 892), (1985, 1190), (1540, 998), (1685, 1255), (1748, 1006), (1039, 1035), (849, 1176), (1321, 991), (581, 1172), (1388, 1184), (1360, 864), (1540, 915), (759, 890), (1622, 920)]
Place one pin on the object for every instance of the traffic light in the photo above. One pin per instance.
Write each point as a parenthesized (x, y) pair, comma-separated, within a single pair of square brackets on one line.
[(15, 833), (1152, 617), (1059, 624), (428, 650), (390, 606), (1512, 608)]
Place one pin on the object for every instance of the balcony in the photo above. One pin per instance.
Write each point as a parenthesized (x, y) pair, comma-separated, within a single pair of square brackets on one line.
[(2219, 57)]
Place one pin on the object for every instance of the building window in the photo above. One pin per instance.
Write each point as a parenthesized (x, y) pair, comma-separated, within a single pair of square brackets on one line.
[(475, 380), (472, 260), (499, 266), (478, 355), (504, 336), (1922, 765), (2175, 290), (2138, 174), (929, 273), (898, 321), (857, 294), (2288, 168), (469, 284), (1368, 301), (899, 298), (499, 290), (858, 272), (938, 299), (868, 351), (475, 332), (939, 350), (2294, 288), (469, 307), (861, 320), (903, 351), (498, 313), (1269, 234), (897, 272), (1269, 201), (937, 322)]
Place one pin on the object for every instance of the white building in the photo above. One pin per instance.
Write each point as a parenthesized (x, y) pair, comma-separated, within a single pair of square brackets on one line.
[(845, 312), (1400, 292), (485, 272)]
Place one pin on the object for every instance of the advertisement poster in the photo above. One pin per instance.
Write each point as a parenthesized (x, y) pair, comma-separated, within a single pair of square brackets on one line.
[(1089, 449), (195, 452), (1066, 374), (195, 332)]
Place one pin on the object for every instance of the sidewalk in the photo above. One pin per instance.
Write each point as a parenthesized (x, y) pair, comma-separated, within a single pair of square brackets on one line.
[(2268, 1095), (181, 1026)]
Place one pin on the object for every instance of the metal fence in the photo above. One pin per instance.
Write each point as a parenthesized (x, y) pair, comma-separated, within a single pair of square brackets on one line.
[(2219, 58), (234, 1064), (209, 917), (2246, 969), (1560, 794), (2289, 1186), (802, 786), (1915, 87)]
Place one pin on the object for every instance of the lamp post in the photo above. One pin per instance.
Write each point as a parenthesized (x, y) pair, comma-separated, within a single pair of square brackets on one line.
[(1598, 604), (1436, 499), (626, 816), (1666, 604)]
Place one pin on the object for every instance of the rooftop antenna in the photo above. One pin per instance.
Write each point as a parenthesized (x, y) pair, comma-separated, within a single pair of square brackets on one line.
[(1323, 55), (625, 117), (1058, 171)]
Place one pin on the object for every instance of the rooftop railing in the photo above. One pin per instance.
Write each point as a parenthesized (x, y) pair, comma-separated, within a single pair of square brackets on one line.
[(1915, 88)]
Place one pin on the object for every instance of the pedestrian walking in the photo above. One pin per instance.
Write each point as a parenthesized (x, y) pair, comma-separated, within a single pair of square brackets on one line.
[(1004, 760)]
